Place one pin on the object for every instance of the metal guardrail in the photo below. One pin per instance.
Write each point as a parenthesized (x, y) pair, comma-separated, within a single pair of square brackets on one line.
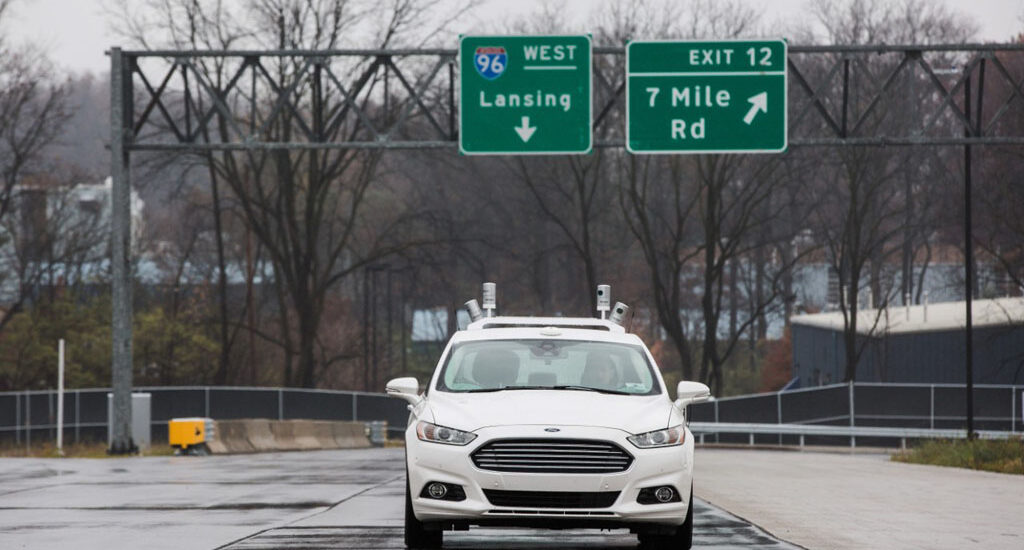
[(701, 429)]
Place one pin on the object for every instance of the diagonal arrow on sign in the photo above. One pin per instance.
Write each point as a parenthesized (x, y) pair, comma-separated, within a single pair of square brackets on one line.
[(758, 103), (525, 131)]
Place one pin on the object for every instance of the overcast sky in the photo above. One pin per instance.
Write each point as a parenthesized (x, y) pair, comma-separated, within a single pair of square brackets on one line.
[(76, 32)]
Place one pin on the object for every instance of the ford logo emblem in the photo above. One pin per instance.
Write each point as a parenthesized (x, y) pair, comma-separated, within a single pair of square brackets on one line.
[(552, 430)]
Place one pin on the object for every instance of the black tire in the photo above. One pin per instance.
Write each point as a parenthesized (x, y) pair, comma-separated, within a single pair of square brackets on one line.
[(684, 534), (682, 539), (416, 535)]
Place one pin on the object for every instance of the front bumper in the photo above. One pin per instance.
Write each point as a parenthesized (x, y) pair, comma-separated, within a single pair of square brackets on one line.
[(428, 462)]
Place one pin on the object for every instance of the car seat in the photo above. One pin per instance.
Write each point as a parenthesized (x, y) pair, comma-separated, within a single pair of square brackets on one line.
[(495, 368), (597, 361)]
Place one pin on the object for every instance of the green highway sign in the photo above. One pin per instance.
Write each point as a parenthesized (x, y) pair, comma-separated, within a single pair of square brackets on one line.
[(706, 96), (525, 95)]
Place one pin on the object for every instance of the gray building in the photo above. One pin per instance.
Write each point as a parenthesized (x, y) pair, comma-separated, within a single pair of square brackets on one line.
[(916, 344)]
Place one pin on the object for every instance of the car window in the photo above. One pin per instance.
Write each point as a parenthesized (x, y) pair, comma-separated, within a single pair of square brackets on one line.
[(510, 364)]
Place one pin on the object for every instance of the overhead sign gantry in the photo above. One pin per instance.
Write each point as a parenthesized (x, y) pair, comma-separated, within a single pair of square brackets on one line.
[(523, 95), (706, 97), (146, 85)]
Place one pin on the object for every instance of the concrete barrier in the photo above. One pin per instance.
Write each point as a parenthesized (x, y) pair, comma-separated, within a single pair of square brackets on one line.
[(284, 435), (324, 434), (216, 446), (260, 435), (305, 436), (232, 437), (349, 435)]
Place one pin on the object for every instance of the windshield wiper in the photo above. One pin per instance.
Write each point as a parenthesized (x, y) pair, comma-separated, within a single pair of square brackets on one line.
[(561, 387), (588, 388), (503, 388)]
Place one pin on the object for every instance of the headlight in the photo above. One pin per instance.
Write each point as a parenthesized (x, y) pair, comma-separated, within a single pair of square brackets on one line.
[(660, 438), (440, 434)]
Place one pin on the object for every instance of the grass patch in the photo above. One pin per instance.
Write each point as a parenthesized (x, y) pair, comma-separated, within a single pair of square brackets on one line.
[(992, 455), (48, 449)]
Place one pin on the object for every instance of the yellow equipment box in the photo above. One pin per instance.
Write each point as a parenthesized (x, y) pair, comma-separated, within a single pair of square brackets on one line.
[(190, 435)]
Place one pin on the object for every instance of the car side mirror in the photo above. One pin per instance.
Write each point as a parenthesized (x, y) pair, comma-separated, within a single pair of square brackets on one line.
[(407, 388), (691, 392)]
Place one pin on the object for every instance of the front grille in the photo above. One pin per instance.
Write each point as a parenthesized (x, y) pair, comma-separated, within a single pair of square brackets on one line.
[(550, 499), (554, 456)]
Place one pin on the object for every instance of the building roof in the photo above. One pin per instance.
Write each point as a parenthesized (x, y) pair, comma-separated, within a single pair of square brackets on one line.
[(943, 316)]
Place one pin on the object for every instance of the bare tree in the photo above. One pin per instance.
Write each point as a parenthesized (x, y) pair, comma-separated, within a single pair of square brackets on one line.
[(737, 217), (53, 239), (863, 219), (574, 196), (678, 209), (1000, 192), (662, 218), (33, 109), (309, 209)]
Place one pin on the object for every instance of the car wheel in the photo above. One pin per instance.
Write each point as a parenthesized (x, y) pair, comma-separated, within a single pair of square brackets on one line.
[(416, 535), (682, 539)]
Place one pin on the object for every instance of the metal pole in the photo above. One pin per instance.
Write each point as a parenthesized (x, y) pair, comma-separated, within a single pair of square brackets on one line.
[(17, 418), (852, 423), (405, 331), (718, 438), (60, 397), (853, 440), (389, 342), (366, 329), (846, 95), (78, 418), (931, 414), (280, 404), (968, 261), (778, 411), (375, 364), (1013, 409), (120, 253)]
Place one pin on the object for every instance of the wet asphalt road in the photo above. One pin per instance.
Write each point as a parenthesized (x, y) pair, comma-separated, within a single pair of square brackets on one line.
[(325, 499), (714, 528)]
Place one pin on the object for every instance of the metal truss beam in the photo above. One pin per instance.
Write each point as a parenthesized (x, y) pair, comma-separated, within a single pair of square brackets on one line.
[(860, 95)]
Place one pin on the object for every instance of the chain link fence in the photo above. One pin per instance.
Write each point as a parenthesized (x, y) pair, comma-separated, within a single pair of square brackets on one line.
[(32, 415), (935, 406)]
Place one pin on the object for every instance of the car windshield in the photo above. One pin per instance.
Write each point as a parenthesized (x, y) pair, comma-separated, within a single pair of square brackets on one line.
[(499, 365)]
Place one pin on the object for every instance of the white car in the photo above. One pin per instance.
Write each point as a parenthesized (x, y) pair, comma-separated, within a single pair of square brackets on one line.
[(549, 423)]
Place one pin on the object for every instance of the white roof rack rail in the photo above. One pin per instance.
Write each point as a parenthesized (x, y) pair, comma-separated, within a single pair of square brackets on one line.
[(585, 323)]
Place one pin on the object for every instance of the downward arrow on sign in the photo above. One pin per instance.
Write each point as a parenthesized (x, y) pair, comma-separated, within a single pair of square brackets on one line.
[(758, 103), (525, 131)]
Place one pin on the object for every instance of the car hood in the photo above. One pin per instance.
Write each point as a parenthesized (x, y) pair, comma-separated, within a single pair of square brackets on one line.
[(473, 411)]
